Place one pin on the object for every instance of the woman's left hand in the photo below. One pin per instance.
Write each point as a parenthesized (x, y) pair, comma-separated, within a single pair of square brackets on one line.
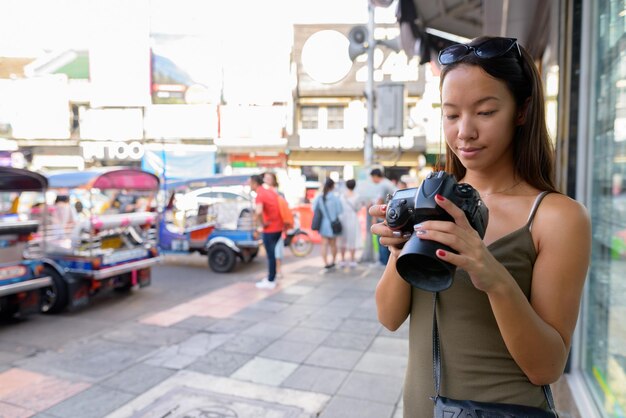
[(473, 256)]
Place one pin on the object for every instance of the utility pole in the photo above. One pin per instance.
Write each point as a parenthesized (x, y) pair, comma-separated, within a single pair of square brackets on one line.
[(368, 144)]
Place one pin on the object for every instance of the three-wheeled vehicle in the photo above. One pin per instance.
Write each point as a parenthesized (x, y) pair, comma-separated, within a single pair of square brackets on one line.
[(213, 216), (23, 283), (110, 241)]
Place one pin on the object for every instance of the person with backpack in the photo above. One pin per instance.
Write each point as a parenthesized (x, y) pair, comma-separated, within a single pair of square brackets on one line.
[(268, 215), (271, 182)]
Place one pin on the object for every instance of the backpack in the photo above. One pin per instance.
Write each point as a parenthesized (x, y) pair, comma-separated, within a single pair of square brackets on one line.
[(285, 213)]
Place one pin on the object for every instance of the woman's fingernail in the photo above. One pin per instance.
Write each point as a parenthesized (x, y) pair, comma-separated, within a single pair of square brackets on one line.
[(439, 197), (420, 232), (441, 253), (383, 208), (396, 234), (417, 226), (407, 235)]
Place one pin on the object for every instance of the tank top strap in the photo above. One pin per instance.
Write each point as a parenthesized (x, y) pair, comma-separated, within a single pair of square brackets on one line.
[(533, 211)]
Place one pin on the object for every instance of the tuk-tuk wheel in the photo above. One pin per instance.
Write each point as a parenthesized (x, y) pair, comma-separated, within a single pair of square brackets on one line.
[(221, 258), (54, 298)]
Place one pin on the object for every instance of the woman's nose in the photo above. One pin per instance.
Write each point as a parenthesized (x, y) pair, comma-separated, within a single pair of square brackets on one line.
[(467, 129)]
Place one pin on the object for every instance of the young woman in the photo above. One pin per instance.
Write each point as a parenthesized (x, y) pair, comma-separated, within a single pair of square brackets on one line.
[(271, 181), (350, 240), (506, 323), (331, 208)]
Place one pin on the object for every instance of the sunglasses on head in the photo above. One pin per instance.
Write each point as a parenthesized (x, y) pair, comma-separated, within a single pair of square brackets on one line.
[(491, 48)]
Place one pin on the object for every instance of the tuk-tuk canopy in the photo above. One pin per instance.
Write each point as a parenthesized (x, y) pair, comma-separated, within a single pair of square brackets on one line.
[(213, 181), (106, 179), (19, 180)]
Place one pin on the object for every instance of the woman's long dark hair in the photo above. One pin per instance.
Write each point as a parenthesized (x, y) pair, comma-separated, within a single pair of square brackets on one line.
[(329, 185), (533, 151)]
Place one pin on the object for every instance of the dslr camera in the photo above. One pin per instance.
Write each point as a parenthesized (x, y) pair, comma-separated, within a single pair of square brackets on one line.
[(417, 263)]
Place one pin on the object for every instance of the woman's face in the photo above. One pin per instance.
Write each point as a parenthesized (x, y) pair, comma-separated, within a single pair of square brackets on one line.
[(479, 117)]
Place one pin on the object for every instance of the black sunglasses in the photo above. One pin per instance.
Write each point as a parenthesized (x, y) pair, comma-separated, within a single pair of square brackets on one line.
[(491, 48)]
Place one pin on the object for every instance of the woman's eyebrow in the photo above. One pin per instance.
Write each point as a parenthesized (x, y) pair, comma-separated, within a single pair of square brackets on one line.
[(476, 103)]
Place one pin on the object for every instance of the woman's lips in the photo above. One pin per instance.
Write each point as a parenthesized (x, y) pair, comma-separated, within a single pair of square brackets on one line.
[(469, 152)]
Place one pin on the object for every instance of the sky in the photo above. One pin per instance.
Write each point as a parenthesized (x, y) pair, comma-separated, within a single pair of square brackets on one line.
[(251, 39), (30, 26)]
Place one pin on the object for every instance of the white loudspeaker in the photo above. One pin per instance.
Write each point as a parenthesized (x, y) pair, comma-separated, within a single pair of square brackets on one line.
[(358, 41)]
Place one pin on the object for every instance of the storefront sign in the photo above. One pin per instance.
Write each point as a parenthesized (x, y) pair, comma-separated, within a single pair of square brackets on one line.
[(112, 150)]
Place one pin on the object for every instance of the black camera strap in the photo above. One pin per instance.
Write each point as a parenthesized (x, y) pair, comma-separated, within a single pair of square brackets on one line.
[(437, 359)]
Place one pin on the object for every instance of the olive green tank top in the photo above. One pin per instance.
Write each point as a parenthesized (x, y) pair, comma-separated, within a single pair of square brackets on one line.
[(476, 365)]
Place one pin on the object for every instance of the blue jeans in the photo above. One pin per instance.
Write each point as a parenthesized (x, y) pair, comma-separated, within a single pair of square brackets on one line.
[(383, 254), (269, 242)]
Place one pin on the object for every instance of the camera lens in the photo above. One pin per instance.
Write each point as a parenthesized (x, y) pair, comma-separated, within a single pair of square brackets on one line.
[(393, 214)]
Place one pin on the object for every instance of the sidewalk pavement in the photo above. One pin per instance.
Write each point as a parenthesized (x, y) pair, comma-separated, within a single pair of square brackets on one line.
[(311, 347)]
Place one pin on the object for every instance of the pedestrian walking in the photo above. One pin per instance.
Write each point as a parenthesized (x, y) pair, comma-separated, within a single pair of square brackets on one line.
[(505, 325), (268, 215), (384, 187), (350, 240), (270, 180), (330, 205)]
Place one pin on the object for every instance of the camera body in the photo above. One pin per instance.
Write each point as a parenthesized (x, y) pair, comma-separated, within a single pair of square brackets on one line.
[(417, 263)]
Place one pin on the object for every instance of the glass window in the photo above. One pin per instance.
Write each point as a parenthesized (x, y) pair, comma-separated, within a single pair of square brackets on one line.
[(335, 117), (605, 313), (309, 117)]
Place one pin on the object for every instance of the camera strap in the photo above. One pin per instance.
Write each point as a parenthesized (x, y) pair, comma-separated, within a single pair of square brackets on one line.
[(437, 359)]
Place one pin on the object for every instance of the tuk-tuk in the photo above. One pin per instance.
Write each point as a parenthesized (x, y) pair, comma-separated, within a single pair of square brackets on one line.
[(23, 283), (110, 240), (213, 216)]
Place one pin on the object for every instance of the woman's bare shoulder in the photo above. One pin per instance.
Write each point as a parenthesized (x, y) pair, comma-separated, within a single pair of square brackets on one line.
[(562, 215)]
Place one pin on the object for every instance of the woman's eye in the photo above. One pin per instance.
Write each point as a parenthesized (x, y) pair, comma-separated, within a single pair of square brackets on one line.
[(487, 113), (450, 117)]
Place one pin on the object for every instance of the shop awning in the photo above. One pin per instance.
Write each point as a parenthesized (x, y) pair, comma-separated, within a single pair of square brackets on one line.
[(527, 20)]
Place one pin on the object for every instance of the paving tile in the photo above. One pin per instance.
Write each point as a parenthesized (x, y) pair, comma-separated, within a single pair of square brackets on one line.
[(246, 344), (88, 360), (336, 358), (252, 314), (199, 344), (391, 346), (196, 323), (12, 411), (315, 379), (219, 363), (367, 313), (95, 402), (359, 326), (286, 350), (267, 330), (326, 322), (307, 335), (14, 380), (137, 333), (298, 289), (137, 379), (382, 364), (342, 407), (270, 305), (45, 394), (230, 325), (348, 340), (372, 387), (284, 297), (265, 371)]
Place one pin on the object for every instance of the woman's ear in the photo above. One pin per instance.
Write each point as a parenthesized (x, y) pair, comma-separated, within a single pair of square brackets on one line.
[(520, 117)]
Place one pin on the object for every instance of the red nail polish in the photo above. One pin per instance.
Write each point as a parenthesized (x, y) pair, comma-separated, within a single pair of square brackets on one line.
[(441, 253), (383, 208), (439, 197)]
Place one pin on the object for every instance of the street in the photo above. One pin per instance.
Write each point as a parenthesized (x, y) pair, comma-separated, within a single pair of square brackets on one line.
[(200, 344)]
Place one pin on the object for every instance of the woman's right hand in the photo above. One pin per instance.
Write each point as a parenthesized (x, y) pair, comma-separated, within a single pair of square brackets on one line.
[(394, 240)]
